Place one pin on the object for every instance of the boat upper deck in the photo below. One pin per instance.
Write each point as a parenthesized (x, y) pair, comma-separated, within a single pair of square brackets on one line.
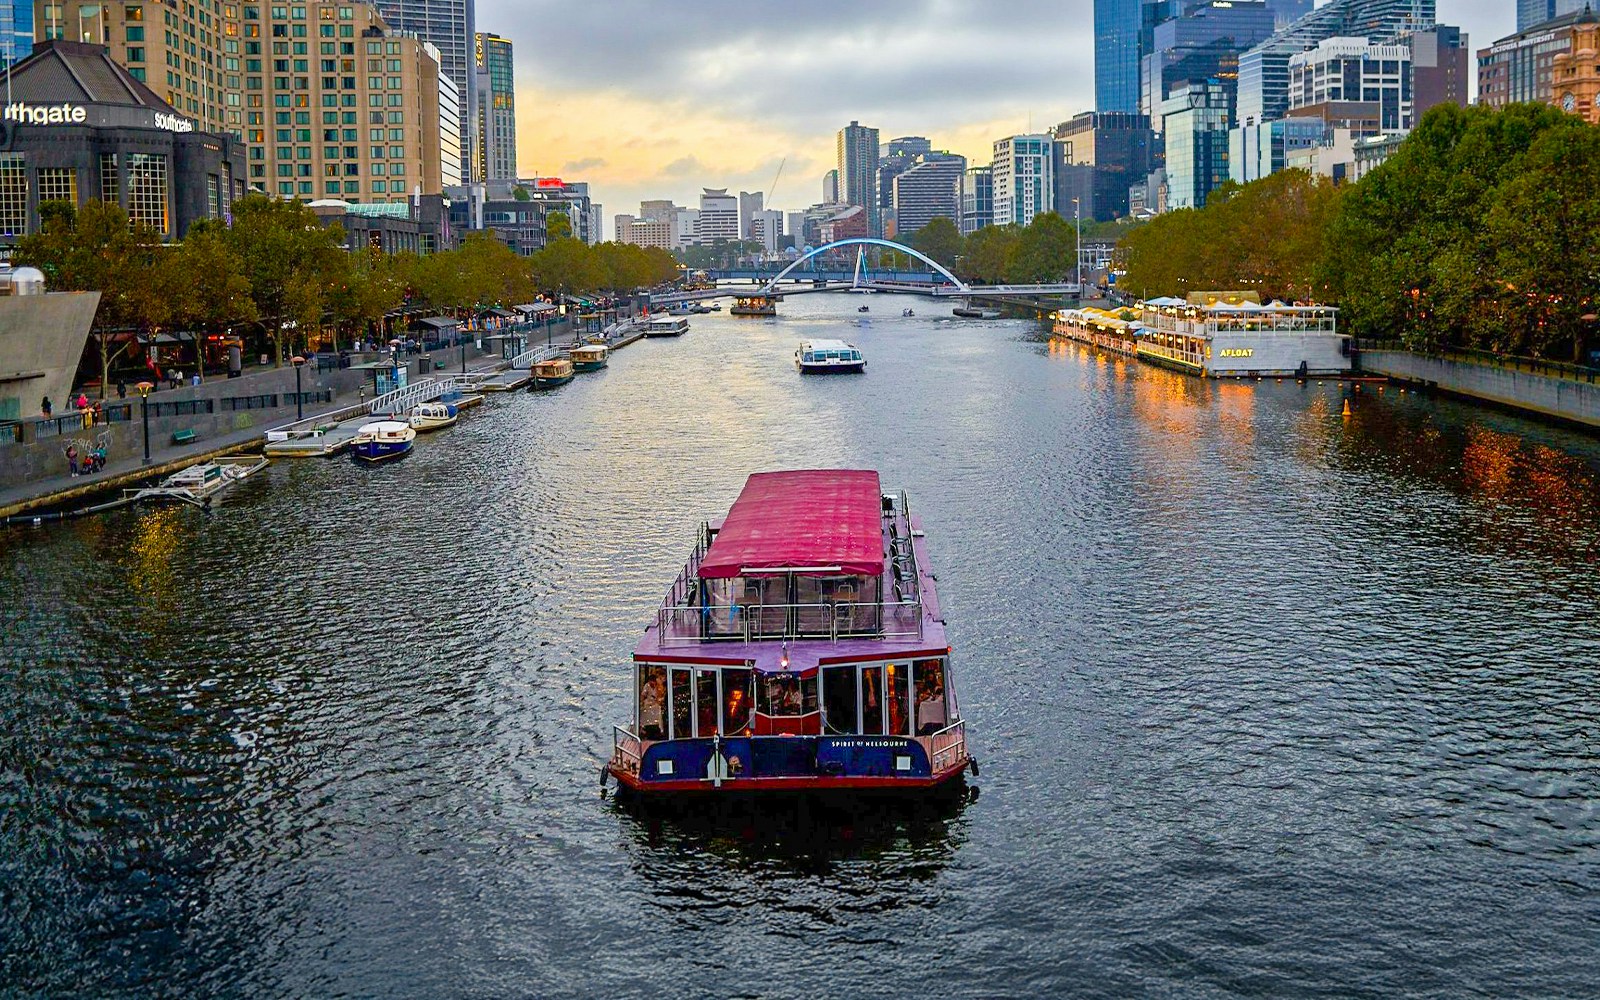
[(808, 566)]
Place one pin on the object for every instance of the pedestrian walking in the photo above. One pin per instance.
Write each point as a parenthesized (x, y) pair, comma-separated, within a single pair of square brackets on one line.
[(44, 406), (83, 401), (72, 459), (122, 388)]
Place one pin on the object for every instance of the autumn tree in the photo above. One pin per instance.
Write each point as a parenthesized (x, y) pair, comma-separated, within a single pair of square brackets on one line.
[(940, 240), (96, 248), (291, 262)]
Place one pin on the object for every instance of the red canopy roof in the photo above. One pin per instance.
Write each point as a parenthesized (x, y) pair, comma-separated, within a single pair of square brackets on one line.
[(809, 519)]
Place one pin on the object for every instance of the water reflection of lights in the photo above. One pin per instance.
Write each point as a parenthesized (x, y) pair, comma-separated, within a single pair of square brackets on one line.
[(157, 535)]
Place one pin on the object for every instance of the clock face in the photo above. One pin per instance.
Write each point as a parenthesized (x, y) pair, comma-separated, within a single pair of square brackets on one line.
[(1568, 102)]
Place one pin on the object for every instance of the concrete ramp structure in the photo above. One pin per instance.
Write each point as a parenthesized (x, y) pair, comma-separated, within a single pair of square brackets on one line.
[(42, 337)]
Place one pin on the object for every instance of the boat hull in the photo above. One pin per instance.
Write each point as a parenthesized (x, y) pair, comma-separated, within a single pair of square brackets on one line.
[(541, 382), (825, 766), (753, 311), (423, 425), (766, 788), (848, 368), (588, 366), (374, 452)]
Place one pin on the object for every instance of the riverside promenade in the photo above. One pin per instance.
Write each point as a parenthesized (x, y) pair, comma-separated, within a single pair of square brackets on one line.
[(36, 476), (124, 442)]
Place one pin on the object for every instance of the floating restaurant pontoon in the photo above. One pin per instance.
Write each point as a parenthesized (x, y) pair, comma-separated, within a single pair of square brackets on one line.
[(755, 305), (1211, 336), (802, 649)]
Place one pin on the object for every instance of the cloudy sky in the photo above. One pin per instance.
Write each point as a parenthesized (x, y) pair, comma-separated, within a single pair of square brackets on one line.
[(659, 98)]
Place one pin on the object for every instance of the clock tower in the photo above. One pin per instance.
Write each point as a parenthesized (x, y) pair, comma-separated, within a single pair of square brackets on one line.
[(1575, 73)]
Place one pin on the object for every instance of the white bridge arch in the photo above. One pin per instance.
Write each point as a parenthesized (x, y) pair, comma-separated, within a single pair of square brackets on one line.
[(770, 286)]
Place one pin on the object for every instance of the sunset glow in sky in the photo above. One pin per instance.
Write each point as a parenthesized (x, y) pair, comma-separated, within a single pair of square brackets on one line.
[(659, 99)]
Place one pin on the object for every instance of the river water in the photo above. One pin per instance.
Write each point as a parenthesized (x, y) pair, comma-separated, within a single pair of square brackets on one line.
[(1269, 701)]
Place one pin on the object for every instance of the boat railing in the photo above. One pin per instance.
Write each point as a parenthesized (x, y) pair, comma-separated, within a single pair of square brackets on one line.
[(679, 624), (626, 749), (948, 746)]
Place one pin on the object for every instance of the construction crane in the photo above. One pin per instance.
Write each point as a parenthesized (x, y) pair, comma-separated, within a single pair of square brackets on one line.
[(775, 177)]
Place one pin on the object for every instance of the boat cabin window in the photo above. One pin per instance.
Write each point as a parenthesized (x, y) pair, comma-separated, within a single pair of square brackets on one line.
[(652, 702), (839, 699), (898, 699), (786, 695), (895, 677), (706, 703), (699, 702), (872, 700), (682, 694), (932, 714), (737, 687)]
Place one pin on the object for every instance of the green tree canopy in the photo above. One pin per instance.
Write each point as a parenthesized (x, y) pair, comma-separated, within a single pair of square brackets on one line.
[(939, 239)]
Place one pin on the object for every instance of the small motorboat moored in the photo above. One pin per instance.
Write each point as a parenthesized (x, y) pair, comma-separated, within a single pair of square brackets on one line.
[(200, 484), (549, 374), (589, 357), (383, 440), (825, 357), (433, 416)]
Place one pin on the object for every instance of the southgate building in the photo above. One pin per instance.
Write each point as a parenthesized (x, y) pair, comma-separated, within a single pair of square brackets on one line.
[(79, 126)]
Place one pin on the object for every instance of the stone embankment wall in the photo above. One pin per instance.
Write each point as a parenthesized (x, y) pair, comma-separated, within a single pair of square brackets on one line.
[(1546, 395)]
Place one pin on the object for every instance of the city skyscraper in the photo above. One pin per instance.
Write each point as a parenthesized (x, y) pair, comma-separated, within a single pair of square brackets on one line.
[(450, 25), (931, 188), (977, 199), (360, 134), (1532, 12), (1116, 55), (1263, 87), (857, 148), (1204, 42), (830, 187), (16, 30), (1197, 117), (450, 158), (496, 135), (1023, 174), (750, 202)]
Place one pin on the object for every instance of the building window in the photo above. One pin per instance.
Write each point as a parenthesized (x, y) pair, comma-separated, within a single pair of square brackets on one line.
[(13, 193), (148, 189), (110, 190)]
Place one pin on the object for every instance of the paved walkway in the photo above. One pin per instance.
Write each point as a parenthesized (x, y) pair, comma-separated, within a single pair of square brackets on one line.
[(167, 458)]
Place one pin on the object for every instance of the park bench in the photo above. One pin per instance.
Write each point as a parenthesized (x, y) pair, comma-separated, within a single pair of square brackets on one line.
[(184, 436)]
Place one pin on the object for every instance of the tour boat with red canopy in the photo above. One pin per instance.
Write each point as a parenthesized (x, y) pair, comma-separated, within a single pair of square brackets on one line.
[(802, 649)]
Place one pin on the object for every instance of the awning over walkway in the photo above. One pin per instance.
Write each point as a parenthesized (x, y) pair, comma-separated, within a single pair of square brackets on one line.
[(443, 324)]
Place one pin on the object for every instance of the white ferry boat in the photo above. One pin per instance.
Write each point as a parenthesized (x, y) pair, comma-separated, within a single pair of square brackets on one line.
[(827, 357)]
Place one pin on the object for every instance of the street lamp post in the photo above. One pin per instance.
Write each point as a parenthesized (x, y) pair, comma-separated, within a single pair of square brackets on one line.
[(144, 412), (299, 397)]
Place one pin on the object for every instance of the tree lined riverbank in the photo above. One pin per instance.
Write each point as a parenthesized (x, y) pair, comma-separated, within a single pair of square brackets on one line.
[(1481, 231)]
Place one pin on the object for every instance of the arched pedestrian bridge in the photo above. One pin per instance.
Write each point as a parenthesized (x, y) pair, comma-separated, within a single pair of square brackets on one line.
[(952, 287)]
